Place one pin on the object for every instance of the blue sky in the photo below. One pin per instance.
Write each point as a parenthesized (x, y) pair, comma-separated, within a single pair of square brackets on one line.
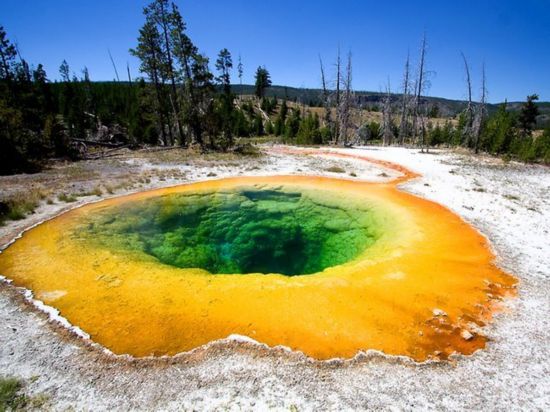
[(512, 37)]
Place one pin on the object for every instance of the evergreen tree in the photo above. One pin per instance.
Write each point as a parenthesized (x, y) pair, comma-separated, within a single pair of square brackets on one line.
[(279, 126), (241, 125), (292, 124), (258, 125), (224, 64), (8, 54), (499, 133), (149, 53), (263, 81), (158, 13), (269, 128), (196, 79), (528, 115), (308, 131)]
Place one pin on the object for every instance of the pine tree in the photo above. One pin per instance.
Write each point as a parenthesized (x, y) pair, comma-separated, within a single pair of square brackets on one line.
[(240, 71), (528, 116), (158, 13), (224, 64), (8, 54), (149, 52), (195, 77), (263, 81)]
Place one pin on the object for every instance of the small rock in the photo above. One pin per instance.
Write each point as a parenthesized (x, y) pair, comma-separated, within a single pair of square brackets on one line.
[(466, 335), (439, 312)]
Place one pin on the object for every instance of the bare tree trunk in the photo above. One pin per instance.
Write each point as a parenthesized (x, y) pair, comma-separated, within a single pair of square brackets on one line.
[(326, 97), (170, 65), (403, 132), (418, 93), (114, 65), (129, 75), (387, 133), (346, 104), (158, 93), (467, 132), (482, 110), (240, 73), (338, 83), (160, 101), (24, 65)]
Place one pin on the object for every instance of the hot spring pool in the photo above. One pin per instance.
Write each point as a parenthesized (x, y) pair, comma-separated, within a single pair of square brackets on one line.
[(325, 266), (286, 230)]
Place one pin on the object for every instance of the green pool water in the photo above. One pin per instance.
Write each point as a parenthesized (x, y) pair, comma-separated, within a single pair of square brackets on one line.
[(280, 230)]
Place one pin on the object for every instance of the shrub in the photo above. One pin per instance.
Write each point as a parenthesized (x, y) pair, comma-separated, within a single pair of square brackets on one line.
[(19, 205)]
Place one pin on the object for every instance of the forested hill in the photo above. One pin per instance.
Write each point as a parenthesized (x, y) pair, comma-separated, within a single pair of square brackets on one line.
[(374, 100)]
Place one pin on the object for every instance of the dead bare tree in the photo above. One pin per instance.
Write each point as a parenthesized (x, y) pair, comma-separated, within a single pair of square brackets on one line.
[(387, 132), (405, 101), (469, 112), (346, 104), (420, 86), (326, 96), (481, 110), (114, 65), (336, 132)]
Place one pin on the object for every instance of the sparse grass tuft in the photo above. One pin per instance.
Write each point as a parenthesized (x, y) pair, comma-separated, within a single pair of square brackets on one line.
[(67, 198), (247, 149), (96, 191), (335, 169), (11, 398)]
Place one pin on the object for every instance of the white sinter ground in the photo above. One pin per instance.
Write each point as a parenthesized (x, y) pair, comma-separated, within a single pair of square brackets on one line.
[(509, 203)]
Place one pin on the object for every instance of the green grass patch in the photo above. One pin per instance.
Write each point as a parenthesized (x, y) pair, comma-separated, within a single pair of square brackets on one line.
[(11, 396)]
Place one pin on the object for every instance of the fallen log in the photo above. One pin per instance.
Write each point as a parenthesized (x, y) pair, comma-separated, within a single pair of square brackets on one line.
[(97, 143)]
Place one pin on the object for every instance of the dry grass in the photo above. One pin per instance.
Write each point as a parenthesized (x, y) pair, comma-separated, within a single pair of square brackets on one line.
[(20, 204), (67, 198), (96, 191)]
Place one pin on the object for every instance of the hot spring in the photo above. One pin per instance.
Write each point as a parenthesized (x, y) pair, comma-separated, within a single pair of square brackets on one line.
[(325, 266), (246, 230)]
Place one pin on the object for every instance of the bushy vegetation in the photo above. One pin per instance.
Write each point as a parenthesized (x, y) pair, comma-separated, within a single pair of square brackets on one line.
[(21, 204), (180, 101), (504, 133)]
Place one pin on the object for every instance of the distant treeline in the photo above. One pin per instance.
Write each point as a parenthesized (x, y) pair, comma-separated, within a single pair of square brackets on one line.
[(180, 101), (373, 101)]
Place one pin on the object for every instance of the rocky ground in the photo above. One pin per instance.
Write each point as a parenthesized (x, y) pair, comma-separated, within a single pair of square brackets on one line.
[(508, 202)]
